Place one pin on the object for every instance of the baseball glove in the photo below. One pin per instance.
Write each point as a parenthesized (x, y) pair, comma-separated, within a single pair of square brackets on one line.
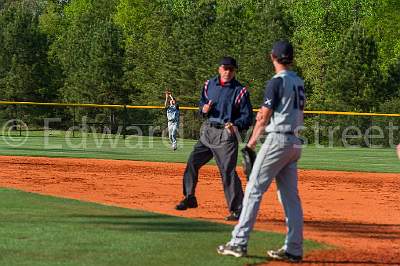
[(249, 156)]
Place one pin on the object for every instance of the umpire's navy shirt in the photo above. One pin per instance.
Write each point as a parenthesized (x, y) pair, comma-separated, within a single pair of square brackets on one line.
[(230, 103)]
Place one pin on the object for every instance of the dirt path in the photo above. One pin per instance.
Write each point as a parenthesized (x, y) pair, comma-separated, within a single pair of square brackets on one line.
[(357, 212)]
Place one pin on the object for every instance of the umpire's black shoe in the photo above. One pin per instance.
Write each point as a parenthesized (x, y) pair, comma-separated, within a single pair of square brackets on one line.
[(228, 249), (233, 216), (189, 202), (281, 254)]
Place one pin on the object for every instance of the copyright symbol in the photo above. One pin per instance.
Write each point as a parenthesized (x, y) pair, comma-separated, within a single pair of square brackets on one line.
[(7, 133)]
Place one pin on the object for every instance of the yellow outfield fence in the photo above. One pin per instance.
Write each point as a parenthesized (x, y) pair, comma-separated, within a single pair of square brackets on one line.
[(120, 106), (331, 128)]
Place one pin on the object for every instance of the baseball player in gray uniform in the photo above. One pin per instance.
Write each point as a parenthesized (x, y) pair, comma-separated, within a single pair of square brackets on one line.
[(281, 116), (172, 108)]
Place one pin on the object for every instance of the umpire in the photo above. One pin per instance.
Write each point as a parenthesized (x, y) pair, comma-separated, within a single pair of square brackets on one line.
[(226, 105)]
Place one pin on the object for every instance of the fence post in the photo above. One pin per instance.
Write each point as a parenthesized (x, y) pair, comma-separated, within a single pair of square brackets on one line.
[(19, 120), (124, 121), (73, 123)]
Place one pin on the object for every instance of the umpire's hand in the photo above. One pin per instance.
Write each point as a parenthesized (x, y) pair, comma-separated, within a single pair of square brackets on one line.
[(207, 107)]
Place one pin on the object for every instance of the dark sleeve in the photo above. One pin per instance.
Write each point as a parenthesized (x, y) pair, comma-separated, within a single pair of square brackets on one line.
[(177, 106), (203, 99), (272, 93), (245, 118)]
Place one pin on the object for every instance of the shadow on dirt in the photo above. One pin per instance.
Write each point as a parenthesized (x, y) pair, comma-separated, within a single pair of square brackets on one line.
[(364, 230)]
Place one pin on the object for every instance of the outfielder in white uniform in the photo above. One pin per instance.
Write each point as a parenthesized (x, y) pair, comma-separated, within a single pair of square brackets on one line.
[(172, 109), (281, 116)]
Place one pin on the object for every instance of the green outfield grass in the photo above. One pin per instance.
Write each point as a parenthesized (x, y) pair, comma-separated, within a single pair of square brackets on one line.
[(42, 230), (157, 149)]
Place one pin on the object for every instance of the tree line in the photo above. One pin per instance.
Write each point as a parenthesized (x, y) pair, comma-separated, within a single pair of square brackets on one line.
[(130, 51)]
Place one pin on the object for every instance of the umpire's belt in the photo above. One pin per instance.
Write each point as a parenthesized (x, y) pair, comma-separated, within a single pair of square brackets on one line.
[(216, 125)]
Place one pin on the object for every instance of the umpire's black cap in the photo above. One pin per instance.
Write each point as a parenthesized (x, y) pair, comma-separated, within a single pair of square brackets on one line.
[(228, 61), (283, 51)]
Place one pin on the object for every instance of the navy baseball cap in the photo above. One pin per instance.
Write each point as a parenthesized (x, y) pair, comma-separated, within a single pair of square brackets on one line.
[(283, 51), (228, 61)]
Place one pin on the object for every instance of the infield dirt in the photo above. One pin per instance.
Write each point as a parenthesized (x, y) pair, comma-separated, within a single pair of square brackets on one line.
[(358, 213)]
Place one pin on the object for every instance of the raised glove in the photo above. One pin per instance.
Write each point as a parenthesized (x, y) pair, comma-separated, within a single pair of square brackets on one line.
[(249, 156)]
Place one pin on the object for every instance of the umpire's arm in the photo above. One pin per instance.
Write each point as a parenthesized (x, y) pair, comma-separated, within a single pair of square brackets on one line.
[(204, 101), (262, 120), (245, 118)]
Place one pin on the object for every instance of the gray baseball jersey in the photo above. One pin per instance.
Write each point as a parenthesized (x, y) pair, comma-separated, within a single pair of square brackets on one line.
[(285, 95), (173, 113)]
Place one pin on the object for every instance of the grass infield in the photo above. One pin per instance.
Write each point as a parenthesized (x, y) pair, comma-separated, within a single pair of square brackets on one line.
[(42, 230), (158, 149)]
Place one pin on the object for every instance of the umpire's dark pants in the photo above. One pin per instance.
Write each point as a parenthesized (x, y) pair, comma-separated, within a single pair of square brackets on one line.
[(220, 144)]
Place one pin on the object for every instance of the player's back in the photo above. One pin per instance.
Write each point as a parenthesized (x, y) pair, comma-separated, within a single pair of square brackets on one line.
[(288, 114)]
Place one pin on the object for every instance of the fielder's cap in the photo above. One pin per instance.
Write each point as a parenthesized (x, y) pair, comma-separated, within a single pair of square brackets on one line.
[(283, 51), (228, 61)]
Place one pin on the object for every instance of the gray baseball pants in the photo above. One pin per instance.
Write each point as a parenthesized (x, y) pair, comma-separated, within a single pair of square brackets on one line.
[(172, 132), (217, 143), (277, 159)]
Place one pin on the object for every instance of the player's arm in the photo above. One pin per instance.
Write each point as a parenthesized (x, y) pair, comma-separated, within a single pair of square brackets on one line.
[(262, 120), (167, 95), (271, 100)]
